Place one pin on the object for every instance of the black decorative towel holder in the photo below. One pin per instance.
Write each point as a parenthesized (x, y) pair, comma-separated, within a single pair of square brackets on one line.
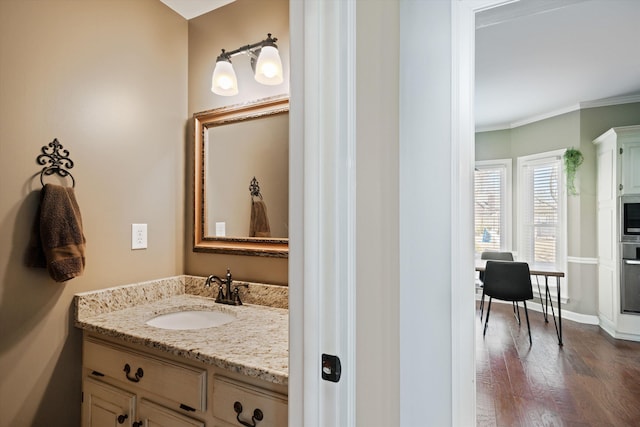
[(56, 160)]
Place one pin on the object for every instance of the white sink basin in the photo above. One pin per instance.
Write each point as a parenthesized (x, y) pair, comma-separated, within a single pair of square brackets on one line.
[(191, 319)]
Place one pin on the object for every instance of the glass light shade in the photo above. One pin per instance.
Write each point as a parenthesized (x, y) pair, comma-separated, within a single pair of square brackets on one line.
[(269, 67), (224, 81)]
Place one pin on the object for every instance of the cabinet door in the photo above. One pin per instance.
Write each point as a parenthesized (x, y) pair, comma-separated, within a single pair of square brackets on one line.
[(227, 393), (106, 406), (153, 415), (631, 167)]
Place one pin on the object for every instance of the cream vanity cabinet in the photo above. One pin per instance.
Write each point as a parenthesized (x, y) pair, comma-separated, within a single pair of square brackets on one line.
[(128, 385)]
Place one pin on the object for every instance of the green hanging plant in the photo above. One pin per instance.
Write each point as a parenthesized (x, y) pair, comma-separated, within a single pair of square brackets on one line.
[(572, 160)]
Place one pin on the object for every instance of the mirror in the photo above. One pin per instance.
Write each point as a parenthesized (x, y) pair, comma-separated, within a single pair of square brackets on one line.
[(241, 179)]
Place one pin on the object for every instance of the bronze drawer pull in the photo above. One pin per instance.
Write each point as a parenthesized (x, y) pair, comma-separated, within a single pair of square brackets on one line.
[(257, 415), (137, 424), (139, 373), (122, 418)]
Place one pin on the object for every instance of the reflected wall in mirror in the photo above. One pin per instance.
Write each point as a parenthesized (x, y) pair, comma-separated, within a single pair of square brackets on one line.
[(233, 145)]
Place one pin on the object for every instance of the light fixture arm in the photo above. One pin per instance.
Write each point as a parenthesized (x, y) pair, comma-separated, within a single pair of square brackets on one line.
[(251, 48)]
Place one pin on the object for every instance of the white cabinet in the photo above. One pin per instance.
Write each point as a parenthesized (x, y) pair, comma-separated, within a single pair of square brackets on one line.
[(607, 190), (127, 385), (630, 163), (618, 173), (623, 144)]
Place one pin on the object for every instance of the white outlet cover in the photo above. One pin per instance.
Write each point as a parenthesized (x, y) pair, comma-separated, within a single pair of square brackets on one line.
[(138, 236), (221, 229)]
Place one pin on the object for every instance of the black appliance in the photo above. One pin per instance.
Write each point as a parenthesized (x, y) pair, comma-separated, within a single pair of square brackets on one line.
[(630, 278), (630, 218)]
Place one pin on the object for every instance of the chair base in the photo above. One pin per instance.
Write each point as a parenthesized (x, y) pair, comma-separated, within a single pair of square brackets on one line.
[(516, 311)]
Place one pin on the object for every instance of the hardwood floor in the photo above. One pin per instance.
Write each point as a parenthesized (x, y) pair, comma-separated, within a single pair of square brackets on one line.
[(593, 380)]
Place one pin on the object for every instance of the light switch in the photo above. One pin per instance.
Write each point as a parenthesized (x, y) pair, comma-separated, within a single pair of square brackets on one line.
[(138, 236)]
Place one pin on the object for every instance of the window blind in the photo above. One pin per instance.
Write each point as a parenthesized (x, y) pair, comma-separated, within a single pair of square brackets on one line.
[(541, 225), (489, 203)]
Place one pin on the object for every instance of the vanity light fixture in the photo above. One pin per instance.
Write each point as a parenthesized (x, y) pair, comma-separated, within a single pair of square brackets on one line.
[(265, 62)]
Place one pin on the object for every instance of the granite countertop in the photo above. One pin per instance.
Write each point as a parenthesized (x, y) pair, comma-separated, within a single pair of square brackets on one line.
[(255, 344)]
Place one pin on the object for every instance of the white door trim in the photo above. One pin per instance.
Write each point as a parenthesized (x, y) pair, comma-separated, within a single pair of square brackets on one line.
[(463, 411), (316, 28), (322, 205), (463, 159)]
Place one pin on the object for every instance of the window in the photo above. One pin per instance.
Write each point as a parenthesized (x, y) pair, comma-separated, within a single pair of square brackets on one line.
[(492, 194), (542, 223)]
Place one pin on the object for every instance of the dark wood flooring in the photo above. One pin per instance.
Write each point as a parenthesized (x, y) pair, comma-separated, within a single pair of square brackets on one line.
[(593, 380)]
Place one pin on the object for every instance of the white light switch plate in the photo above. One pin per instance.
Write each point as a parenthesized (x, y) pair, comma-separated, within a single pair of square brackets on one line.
[(138, 236)]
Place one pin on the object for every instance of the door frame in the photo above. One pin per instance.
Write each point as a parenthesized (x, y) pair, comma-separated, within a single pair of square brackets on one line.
[(311, 106)]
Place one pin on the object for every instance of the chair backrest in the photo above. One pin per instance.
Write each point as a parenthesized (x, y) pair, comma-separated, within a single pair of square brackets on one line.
[(508, 281), (502, 256)]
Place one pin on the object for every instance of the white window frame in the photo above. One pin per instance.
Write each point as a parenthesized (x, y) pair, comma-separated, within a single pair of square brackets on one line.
[(506, 212), (561, 242)]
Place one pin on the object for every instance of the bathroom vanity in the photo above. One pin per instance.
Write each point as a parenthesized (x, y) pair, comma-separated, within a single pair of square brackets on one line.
[(135, 374)]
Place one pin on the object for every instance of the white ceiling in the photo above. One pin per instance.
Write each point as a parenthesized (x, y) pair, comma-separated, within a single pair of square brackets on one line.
[(192, 8), (532, 64), (540, 58)]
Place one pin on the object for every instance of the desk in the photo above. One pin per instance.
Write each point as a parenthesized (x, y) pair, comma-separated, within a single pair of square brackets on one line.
[(546, 272)]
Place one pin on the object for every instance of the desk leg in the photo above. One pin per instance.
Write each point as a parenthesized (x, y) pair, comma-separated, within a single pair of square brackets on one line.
[(553, 313), (546, 299), (559, 314), (545, 309)]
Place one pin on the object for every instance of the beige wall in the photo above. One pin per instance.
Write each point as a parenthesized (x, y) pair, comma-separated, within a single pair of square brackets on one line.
[(109, 80), (237, 24), (576, 129), (377, 229)]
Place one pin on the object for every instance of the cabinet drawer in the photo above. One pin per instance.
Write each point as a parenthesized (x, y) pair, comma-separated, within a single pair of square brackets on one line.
[(180, 383), (226, 392), (159, 416)]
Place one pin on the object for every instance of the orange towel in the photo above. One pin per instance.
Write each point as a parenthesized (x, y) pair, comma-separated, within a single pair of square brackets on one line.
[(57, 240), (259, 225)]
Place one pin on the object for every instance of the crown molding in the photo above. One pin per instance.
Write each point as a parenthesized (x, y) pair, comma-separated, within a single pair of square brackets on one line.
[(605, 102), (550, 114), (517, 8)]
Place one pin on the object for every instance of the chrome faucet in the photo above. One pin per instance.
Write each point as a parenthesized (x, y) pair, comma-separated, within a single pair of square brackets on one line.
[(225, 294)]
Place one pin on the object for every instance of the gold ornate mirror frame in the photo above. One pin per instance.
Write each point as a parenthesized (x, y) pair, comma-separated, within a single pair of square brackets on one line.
[(254, 246)]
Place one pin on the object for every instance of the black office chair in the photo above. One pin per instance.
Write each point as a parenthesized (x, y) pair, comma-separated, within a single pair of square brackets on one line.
[(508, 281), (498, 256)]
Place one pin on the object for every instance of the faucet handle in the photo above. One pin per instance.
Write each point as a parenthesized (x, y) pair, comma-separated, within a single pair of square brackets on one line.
[(236, 293), (220, 295)]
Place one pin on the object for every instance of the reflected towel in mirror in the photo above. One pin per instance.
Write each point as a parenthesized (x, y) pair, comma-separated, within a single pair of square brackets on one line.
[(259, 225)]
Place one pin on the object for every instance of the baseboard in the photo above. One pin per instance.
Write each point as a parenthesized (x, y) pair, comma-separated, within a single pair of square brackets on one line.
[(582, 260), (628, 337), (610, 329), (586, 319)]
